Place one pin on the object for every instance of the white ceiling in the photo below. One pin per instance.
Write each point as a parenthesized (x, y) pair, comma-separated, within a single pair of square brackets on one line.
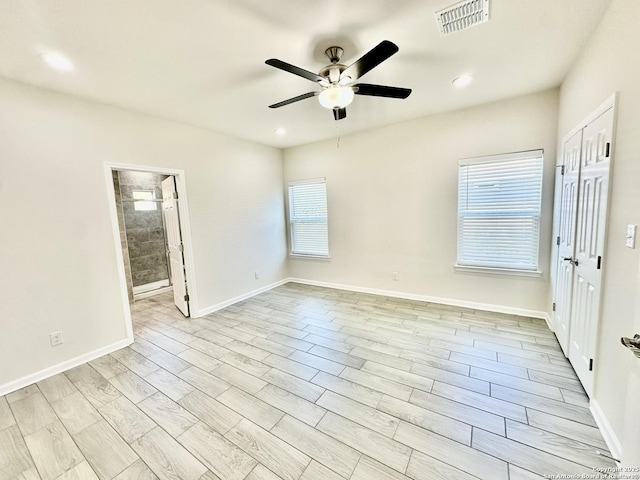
[(201, 62)]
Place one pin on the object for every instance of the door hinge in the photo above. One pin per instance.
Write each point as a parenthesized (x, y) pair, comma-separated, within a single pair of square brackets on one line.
[(608, 150), (558, 240), (553, 307), (561, 169), (186, 298), (181, 248), (590, 364), (599, 265)]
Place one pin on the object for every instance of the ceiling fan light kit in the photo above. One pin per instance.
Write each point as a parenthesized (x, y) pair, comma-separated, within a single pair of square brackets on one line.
[(336, 80), (336, 97)]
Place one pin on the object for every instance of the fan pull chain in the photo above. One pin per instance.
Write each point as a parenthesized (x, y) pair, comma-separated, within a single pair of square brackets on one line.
[(337, 136)]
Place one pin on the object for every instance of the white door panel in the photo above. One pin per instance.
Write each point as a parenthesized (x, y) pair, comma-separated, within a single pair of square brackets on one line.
[(171, 214), (589, 245), (567, 230), (562, 320), (585, 312)]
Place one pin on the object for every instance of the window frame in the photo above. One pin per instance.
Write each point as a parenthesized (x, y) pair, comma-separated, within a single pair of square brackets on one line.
[(141, 204), (532, 212), (320, 219)]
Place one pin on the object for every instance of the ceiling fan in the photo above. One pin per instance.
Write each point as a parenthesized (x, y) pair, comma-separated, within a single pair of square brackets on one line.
[(337, 80)]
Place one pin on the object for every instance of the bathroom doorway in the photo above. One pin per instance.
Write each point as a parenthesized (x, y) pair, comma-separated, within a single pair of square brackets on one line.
[(142, 232), (151, 230)]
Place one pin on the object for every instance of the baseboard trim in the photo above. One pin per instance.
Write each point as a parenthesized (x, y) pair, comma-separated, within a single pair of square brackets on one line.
[(608, 434), (426, 298), (219, 306), (63, 366)]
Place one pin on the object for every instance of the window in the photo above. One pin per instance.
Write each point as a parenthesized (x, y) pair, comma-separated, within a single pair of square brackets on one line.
[(308, 218), (499, 211), (145, 200)]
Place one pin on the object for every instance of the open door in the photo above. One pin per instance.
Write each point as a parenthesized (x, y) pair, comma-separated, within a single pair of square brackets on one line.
[(171, 212)]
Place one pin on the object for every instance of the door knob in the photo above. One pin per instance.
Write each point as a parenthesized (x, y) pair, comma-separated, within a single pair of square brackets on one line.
[(571, 261)]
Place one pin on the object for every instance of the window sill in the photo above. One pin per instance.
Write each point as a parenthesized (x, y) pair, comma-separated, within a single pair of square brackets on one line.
[(309, 257), (498, 271)]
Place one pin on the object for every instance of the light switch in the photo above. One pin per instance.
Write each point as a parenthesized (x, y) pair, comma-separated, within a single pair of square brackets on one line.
[(631, 236)]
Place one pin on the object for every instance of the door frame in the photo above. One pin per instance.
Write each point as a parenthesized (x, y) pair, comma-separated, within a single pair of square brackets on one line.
[(185, 227)]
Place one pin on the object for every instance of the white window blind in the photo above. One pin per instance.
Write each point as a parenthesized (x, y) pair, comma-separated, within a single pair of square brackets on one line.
[(499, 211), (308, 218)]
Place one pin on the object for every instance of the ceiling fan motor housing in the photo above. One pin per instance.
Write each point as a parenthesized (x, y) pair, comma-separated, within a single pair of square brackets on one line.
[(332, 72)]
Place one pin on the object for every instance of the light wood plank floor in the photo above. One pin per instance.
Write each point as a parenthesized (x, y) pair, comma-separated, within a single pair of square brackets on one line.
[(314, 384)]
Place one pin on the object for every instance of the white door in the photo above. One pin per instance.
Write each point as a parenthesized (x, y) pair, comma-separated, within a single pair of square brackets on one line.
[(171, 214), (566, 239), (589, 245)]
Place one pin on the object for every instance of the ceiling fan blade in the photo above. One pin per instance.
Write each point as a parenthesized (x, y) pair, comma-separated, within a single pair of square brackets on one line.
[(294, 99), (370, 60), (381, 91), (339, 113), (301, 72)]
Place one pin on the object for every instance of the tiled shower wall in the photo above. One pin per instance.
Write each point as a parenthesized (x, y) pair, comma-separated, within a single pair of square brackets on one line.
[(144, 229)]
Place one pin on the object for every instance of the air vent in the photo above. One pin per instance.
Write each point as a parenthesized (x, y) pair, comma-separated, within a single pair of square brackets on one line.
[(463, 15)]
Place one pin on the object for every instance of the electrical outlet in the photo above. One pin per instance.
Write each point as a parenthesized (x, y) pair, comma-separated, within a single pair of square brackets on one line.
[(256, 274), (395, 277), (55, 338)]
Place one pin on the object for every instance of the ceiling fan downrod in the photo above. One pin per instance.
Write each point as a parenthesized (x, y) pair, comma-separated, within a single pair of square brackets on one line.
[(334, 54)]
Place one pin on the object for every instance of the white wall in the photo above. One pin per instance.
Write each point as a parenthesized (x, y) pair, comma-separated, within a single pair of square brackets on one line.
[(611, 62), (392, 198), (58, 259)]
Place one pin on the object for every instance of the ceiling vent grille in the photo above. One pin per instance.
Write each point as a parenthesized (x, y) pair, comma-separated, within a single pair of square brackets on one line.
[(462, 15)]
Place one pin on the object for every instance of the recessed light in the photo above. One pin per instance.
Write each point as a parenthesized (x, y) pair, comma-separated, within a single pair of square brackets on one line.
[(280, 131), (462, 81), (57, 61)]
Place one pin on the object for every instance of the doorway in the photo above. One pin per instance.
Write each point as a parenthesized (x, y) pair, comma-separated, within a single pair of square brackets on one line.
[(142, 232), (151, 227)]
